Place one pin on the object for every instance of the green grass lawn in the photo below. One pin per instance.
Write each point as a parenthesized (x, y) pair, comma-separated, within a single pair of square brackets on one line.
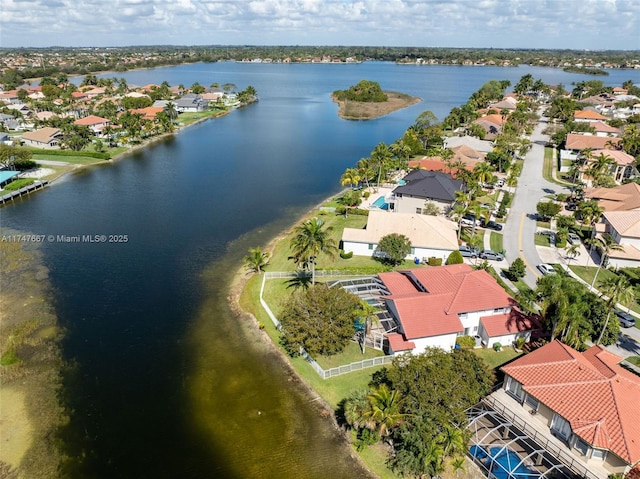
[(495, 240), (351, 354), (75, 160), (586, 273), (542, 240), (635, 360), (496, 358), (543, 224)]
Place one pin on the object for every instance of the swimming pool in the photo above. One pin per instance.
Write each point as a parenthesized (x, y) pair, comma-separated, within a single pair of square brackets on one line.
[(380, 203), (503, 463)]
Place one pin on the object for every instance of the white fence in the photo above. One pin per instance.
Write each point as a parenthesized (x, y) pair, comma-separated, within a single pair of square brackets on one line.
[(324, 373)]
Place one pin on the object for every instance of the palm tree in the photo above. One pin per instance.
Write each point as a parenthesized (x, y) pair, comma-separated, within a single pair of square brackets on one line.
[(309, 241), (459, 210), (452, 441), (256, 260), (572, 251), (618, 290), (483, 172), (607, 244), (385, 407), (350, 177), (457, 464)]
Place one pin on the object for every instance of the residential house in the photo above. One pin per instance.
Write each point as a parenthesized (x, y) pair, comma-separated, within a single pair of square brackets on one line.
[(624, 228), (622, 165), (148, 113), (191, 103), (422, 186), (602, 129), (433, 306), (9, 122), (461, 154), (492, 125), (585, 399), (507, 103), (482, 146), (95, 123), (575, 143), (588, 116), (47, 138), (620, 198), (10, 97), (430, 236)]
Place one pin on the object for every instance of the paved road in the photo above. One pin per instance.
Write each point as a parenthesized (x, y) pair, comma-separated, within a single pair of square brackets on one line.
[(520, 228)]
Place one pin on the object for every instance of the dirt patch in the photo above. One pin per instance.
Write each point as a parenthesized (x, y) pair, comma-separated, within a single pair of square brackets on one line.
[(30, 365), (358, 110)]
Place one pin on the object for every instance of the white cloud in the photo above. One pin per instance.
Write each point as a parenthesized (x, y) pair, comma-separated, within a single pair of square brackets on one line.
[(588, 24)]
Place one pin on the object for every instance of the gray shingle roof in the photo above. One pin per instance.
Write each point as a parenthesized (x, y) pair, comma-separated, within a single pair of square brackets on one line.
[(430, 184)]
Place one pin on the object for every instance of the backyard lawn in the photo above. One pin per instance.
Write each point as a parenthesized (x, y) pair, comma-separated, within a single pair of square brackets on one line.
[(496, 358), (586, 273)]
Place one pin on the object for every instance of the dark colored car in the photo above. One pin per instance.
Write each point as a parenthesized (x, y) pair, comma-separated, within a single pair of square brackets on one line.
[(493, 225), (468, 251), (625, 319)]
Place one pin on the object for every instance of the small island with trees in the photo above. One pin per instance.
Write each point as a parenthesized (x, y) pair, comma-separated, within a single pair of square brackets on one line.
[(366, 100)]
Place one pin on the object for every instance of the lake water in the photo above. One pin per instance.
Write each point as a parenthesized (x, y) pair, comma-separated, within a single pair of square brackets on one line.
[(163, 381)]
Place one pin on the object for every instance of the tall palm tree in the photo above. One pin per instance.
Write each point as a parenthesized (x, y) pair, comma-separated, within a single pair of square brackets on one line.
[(483, 172), (618, 290), (607, 244), (452, 441), (350, 177), (256, 260), (385, 407), (312, 238), (572, 251)]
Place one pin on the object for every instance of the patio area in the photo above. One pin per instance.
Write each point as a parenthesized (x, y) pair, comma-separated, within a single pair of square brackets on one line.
[(499, 425)]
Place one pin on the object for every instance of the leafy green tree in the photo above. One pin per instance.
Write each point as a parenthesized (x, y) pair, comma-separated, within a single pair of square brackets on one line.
[(311, 239), (516, 270), (431, 209), (437, 387), (256, 260), (548, 209), (499, 159), (524, 85), (455, 258), (364, 91), (393, 248), (13, 154), (320, 319), (476, 131)]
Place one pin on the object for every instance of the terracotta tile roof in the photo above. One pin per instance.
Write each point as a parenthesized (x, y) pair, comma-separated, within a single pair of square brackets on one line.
[(398, 343), (626, 223), (620, 198), (599, 398), (618, 156), (149, 112), (428, 300), (90, 120), (43, 135), (604, 128), (505, 324), (588, 115), (580, 142)]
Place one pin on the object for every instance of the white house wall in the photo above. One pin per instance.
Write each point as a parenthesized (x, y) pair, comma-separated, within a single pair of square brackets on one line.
[(445, 342), (410, 204), (363, 249)]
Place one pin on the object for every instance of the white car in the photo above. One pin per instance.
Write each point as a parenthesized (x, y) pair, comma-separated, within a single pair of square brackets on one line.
[(546, 269)]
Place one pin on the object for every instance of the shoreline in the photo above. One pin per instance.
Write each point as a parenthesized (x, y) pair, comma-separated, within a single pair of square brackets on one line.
[(235, 291)]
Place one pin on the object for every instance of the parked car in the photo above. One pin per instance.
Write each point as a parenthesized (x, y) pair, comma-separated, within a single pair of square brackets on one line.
[(571, 206), (468, 251), (470, 219), (573, 238), (546, 269), (625, 319), (493, 225), (492, 255), (500, 183)]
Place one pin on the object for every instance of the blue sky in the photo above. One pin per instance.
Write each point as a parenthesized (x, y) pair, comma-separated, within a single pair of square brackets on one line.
[(574, 24)]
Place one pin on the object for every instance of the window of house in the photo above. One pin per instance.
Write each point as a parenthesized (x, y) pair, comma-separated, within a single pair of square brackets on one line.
[(370, 246), (413, 251), (560, 426), (514, 388), (582, 446), (463, 315), (419, 211), (532, 402), (475, 329), (598, 454)]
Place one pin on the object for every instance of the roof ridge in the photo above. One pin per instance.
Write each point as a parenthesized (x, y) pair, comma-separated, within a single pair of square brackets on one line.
[(617, 409)]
